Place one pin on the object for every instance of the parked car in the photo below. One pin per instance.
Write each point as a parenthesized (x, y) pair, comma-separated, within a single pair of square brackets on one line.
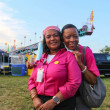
[(103, 63)]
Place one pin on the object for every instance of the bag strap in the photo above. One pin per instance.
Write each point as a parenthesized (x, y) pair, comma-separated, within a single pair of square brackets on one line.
[(84, 51)]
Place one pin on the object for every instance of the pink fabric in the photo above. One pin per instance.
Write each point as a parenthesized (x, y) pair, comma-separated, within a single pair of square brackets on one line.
[(90, 61), (51, 27), (64, 76)]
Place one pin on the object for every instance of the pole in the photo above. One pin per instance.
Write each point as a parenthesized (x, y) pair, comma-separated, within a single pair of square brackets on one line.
[(3, 64), (24, 40), (30, 41), (35, 37)]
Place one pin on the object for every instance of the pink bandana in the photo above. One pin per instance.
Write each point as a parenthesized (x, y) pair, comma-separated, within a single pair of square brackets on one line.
[(50, 27)]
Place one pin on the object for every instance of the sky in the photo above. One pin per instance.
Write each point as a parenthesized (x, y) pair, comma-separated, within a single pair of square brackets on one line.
[(19, 18)]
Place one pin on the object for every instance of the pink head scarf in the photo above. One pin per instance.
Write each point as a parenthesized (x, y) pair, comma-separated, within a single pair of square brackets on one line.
[(50, 27)]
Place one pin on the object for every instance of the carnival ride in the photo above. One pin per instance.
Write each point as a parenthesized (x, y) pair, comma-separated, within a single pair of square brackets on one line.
[(25, 50), (19, 56), (86, 29)]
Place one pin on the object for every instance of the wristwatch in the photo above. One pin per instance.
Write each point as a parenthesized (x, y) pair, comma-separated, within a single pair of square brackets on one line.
[(56, 99)]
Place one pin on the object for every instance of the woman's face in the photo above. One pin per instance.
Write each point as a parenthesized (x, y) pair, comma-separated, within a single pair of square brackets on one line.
[(52, 39), (71, 38)]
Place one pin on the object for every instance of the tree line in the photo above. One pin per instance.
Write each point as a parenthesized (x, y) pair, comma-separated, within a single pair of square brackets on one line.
[(106, 50)]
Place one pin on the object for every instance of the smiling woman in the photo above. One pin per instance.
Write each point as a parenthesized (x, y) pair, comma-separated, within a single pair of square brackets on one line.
[(46, 88), (89, 71), (52, 40)]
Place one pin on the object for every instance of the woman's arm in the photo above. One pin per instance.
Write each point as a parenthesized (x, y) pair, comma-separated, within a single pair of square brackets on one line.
[(36, 100), (89, 76), (50, 104), (31, 82), (90, 63), (33, 93), (74, 77)]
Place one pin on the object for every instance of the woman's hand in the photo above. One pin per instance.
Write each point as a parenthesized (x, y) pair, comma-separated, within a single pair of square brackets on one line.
[(37, 103), (78, 56), (29, 65), (89, 76), (49, 105)]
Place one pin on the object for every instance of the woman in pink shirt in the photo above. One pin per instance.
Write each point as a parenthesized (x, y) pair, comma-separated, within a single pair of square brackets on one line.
[(90, 70), (57, 76)]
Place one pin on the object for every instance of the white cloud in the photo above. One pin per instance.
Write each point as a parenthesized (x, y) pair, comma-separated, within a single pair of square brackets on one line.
[(10, 28)]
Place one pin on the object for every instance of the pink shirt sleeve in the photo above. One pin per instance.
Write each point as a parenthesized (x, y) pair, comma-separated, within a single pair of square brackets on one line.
[(31, 82), (90, 62), (74, 78)]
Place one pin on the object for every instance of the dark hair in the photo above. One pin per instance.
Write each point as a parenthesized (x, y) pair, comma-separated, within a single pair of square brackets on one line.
[(69, 26), (46, 49)]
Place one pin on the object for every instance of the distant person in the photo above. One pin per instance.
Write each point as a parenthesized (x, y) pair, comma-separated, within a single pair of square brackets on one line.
[(90, 71), (57, 77)]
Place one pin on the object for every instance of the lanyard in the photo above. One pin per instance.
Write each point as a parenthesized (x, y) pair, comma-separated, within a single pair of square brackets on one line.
[(44, 62)]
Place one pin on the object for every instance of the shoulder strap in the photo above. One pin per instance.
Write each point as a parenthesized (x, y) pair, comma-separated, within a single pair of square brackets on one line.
[(84, 51)]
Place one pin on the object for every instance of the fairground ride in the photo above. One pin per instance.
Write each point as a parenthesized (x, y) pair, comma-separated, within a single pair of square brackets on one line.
[(86, 29), (25, 50)]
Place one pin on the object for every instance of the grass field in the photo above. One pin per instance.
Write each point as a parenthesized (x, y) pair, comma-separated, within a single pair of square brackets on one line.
[(14, 93)]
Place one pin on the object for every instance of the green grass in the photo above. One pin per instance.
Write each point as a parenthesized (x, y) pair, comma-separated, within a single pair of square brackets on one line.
[(14, 93), (106, 104)]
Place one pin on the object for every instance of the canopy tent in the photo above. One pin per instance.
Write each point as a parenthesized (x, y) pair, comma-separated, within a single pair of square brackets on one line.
[(1, 52), (4, 61), (4, 53)]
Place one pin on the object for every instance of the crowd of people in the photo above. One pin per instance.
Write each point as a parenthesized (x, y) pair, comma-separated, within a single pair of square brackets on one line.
[(56, 78)]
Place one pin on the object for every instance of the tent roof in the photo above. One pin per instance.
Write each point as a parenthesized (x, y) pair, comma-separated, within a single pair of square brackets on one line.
[(1, 51)]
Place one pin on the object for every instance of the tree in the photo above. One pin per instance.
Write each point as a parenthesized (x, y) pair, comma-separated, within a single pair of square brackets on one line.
[(106, 49)]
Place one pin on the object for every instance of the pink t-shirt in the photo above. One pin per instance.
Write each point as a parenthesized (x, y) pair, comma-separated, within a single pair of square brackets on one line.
[(90, 61), (61, 74)]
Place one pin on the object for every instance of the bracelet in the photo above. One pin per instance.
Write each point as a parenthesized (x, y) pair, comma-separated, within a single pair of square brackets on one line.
[(34, 92), (83, 71), (32, 97)]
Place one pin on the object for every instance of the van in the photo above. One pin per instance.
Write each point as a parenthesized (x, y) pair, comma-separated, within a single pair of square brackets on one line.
[(103, 63)]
